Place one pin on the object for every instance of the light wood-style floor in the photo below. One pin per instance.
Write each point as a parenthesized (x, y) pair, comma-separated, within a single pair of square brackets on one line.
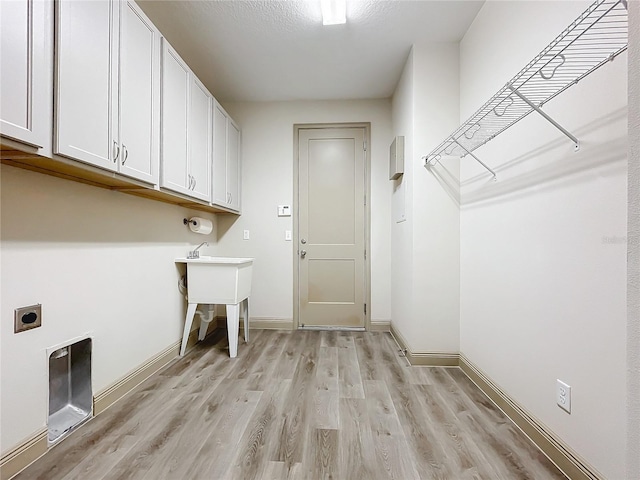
[(298, 405)]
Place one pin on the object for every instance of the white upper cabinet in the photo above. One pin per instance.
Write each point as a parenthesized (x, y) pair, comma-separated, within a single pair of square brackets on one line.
[(107, 86), (139, 95), (233, 165), (200, 140), (186, 129), (85, 97), (220, 121), (25, 112), (226, 160), (113, 94), (175, 98)]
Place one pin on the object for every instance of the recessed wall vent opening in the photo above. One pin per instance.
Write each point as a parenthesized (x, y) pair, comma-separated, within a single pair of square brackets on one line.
[(70, 393)]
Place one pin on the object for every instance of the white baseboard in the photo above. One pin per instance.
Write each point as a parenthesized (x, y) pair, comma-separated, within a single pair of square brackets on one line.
[(268, 323), (380, 326), (277, 323), (429, 359)]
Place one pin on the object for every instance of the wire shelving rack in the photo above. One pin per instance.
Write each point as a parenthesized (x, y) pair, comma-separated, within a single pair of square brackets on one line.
[(595, 38)]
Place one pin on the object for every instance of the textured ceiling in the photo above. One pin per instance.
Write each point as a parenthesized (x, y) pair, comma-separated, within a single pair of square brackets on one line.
[(279, 50)]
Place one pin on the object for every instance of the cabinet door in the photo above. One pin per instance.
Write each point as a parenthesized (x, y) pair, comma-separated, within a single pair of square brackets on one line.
[(85, 90), (199, 140), (175, 101), (233, 165), (220, 196), (139, 95), (24, 112)]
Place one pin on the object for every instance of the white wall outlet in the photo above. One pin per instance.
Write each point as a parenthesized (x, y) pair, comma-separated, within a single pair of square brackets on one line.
[(287, 235), (563, 395), (245, 235)]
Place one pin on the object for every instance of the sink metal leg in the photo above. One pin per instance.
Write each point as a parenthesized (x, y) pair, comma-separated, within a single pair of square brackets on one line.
[(188, 321), (233, 326)]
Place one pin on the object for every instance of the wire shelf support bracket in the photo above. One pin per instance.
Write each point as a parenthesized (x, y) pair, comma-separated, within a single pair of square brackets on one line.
[(595, 38), (576, 143)]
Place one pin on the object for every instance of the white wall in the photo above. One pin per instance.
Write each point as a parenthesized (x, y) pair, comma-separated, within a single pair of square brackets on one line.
[(633, 249), (436, 231), (267, 181), (427, 245), (402, 207), (543, 257), (98, 261)]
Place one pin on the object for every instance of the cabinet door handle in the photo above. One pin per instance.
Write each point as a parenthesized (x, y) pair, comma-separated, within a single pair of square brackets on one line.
[(126, 153), (117, 148), (190, 181), (194, 183)]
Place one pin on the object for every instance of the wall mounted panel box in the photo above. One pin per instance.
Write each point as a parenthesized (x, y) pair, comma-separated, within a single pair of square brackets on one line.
[(70, 392), (396, 158)]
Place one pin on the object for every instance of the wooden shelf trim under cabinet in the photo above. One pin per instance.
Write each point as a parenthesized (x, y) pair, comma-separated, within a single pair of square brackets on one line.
[(81, 173)]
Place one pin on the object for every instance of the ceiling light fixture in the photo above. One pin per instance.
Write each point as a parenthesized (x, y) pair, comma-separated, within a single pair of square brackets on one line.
[(334, 12)]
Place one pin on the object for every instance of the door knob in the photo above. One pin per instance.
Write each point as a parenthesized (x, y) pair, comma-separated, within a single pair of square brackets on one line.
[(303, 253), (303, 241)]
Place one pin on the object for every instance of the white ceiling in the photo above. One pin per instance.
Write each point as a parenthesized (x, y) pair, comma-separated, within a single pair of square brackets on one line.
[(279, 50)]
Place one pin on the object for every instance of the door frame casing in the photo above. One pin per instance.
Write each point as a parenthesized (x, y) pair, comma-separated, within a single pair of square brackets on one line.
[(367, 214)]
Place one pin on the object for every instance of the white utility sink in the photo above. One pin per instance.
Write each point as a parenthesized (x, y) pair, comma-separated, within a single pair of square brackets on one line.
[(218, 280)]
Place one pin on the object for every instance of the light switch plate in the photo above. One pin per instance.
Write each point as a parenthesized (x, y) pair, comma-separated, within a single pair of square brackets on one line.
[(287, 235), (284, 210), (245, 235)]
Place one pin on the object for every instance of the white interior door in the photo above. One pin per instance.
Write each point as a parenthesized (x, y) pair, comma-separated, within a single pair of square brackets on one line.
[(331, 227)]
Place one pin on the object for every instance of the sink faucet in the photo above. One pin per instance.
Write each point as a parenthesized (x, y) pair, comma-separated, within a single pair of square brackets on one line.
[(195, 253)]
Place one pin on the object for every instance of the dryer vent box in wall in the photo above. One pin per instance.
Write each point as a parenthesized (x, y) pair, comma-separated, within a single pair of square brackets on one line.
[(70, 388), (396, 158)]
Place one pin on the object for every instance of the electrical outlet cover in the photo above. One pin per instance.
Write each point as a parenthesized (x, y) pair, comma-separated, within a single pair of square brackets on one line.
[(26, 318), (563, 395)]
